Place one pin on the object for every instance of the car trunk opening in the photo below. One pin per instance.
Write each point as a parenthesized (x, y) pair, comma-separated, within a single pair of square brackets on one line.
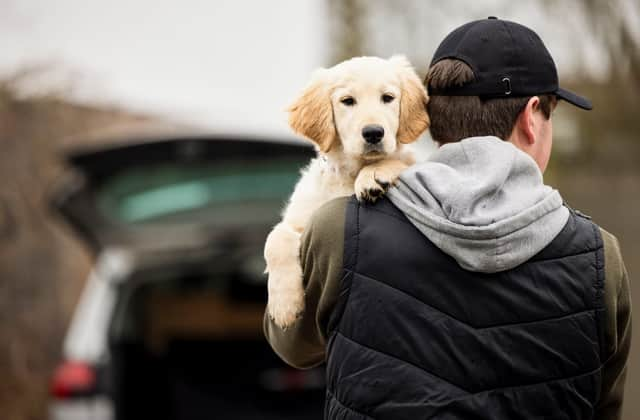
[(185, 337), (191, 347)]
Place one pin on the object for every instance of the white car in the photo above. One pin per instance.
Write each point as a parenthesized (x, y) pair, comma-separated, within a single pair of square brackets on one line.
[(169, 325)]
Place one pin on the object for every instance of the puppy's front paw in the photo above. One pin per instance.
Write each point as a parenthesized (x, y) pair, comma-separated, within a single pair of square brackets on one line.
[(368, 187), (374, 180), (286, 296)]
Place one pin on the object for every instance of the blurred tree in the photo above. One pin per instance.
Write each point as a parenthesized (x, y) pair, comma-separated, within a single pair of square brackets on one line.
[(42, 269), (346, 28), (386, 27), (609, 134), (615, 25)]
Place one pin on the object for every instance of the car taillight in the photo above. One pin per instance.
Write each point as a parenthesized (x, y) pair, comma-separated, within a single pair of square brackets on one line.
[(73, 379)]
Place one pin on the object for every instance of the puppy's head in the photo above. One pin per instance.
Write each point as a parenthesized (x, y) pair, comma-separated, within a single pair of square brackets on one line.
[(365, 106)]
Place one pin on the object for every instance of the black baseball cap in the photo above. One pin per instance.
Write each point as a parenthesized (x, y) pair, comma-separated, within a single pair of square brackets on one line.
[(507, 59)]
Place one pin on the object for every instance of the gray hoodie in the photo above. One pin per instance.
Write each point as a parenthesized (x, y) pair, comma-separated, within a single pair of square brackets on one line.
[(482, 201)]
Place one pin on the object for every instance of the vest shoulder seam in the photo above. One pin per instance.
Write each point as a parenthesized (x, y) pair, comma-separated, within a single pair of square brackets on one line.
[(337, 317), (588, 251), (598, 286)]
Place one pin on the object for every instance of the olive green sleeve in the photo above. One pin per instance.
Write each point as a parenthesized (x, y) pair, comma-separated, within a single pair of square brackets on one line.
[(618, 331), (303, 344)]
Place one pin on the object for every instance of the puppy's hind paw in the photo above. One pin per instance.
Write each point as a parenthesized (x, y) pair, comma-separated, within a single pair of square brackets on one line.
[(284, 309)]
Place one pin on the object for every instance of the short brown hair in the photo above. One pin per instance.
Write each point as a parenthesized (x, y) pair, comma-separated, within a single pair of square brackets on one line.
[(454, 118)]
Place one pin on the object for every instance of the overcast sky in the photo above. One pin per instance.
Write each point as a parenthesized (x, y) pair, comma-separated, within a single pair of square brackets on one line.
[(228, 65)]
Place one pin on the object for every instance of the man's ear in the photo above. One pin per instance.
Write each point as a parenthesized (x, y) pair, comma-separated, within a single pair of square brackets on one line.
[(413, 102), (525, 123), (311, 114)]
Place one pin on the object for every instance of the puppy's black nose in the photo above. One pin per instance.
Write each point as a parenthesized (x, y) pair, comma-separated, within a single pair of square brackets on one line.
[(373, 133)]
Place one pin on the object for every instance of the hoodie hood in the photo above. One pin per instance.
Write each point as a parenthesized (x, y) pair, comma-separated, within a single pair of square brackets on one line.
[(483, 202)]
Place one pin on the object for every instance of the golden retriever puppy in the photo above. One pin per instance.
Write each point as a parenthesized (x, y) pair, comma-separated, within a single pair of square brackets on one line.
[(359, 114)]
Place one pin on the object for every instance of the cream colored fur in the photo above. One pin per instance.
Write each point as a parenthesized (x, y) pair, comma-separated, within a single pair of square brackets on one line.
[(346, 163)]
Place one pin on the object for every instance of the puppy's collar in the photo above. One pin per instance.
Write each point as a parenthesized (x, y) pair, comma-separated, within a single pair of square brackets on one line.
[(330, 166)]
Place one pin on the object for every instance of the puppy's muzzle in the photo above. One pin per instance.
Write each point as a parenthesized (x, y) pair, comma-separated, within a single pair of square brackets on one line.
[(373, 133)]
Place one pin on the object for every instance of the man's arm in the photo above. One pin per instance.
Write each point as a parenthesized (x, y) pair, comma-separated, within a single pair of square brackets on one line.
[(321, 252), (618, 332)]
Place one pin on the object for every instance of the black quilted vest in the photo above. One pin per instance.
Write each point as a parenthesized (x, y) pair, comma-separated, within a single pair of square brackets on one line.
[(415, 336)]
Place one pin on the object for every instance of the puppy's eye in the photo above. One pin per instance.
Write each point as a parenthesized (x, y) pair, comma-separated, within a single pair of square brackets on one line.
[(348, 101), (386, 98)]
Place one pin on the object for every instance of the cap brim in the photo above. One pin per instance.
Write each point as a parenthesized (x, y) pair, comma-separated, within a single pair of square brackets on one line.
[(574, 99)]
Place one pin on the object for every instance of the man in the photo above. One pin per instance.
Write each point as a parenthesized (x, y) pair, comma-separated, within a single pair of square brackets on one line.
[(472, 292)]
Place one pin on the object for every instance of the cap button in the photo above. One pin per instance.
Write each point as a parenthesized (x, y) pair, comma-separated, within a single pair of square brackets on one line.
[(492, 17)]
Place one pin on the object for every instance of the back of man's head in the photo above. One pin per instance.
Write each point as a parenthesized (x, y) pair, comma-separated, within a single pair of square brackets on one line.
[(454, 118), (483, 75)]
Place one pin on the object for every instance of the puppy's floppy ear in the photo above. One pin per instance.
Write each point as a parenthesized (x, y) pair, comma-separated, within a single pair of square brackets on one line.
[(413, 102), (311, 115)]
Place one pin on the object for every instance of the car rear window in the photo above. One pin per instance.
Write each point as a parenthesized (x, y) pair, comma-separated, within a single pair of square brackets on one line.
[(224, 192)]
